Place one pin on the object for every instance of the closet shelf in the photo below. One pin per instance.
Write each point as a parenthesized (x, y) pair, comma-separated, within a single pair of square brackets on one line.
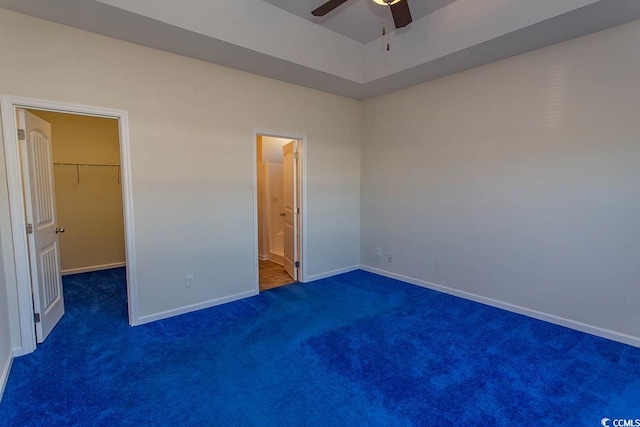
[(77, 167), (86, 165)]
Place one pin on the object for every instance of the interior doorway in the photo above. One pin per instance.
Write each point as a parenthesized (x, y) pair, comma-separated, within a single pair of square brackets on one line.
[(278, 209), (35, 226)]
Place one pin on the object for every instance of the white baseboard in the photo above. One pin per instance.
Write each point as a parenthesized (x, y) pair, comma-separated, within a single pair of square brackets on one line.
[(263, 257), (4, 376), (212, 303), (93, 268), (193, 307), (557, 320), (319, 276), (19, 351), (278, 259)]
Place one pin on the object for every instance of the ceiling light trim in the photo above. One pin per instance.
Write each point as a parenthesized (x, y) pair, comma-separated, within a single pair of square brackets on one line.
[(386, 2)]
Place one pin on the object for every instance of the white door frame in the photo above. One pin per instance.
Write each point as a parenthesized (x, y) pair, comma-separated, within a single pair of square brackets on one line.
[(8, 106), (302, 199)]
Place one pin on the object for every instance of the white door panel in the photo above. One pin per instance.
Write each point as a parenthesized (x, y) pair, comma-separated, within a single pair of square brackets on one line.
[(290, 208), (44, 251)]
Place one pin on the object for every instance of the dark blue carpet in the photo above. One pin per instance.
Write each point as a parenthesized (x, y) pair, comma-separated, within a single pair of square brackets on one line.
[(356, 349)]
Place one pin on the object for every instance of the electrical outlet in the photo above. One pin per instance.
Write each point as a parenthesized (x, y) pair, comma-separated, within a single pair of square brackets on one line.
[(191, 281), (378, 252), (389, 258)]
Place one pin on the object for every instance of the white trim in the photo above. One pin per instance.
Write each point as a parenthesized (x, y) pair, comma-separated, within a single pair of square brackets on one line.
[(263, 257), (93, 268), (557, 320), (18, 221), (8, 105), (254, 196), (331, 273), (195, 307), (127, 200), (4, 376), (302, 276)]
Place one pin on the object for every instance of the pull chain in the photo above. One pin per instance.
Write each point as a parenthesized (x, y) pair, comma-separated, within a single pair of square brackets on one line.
[(385, 32)]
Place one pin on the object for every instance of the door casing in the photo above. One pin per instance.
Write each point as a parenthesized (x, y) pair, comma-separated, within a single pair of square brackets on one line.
[(8, 106), (302, 199)]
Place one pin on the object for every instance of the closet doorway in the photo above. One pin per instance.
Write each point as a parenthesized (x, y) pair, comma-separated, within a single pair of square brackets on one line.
[(279, 208), (29, 160)]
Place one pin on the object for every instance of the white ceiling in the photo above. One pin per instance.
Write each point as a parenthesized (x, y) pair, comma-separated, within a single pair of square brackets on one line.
[(361, 20), (258, 37)]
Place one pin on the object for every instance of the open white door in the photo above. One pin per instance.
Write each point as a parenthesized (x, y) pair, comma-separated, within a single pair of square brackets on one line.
[(40, 206), (289, 170)]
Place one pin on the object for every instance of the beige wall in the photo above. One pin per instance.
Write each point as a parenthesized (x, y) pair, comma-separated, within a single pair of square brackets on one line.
[(517, 182), (82, 139), (191, 130), (88, 199)]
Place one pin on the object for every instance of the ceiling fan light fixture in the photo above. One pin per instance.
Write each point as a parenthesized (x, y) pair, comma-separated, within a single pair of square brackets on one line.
[(386, 2)]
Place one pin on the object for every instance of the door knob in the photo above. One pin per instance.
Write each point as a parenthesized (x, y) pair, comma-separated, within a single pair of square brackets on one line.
[(282, 214), (59, 230)]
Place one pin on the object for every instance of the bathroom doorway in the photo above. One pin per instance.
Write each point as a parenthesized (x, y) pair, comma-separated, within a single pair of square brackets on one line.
[(278, 179)]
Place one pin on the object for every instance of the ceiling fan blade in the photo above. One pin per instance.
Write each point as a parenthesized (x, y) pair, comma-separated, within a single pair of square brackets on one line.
[(401, 14), (327, 7)]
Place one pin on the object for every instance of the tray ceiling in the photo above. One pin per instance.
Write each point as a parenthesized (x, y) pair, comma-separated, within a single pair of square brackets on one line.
[(270, 38), (360, 20)]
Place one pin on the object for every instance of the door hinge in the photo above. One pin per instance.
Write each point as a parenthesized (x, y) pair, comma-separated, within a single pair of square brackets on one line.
[(36, 317), (297, 264), (296, 155), (298, 211), (29, 228), (21, 135)]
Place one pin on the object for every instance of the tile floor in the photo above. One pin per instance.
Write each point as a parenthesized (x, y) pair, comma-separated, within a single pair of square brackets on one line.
[(273, 275)]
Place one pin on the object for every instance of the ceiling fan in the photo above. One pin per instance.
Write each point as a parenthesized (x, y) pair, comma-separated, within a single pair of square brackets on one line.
[(399, 10)]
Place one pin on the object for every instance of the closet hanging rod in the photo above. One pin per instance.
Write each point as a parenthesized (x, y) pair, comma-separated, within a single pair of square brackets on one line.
[(86, 165)]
